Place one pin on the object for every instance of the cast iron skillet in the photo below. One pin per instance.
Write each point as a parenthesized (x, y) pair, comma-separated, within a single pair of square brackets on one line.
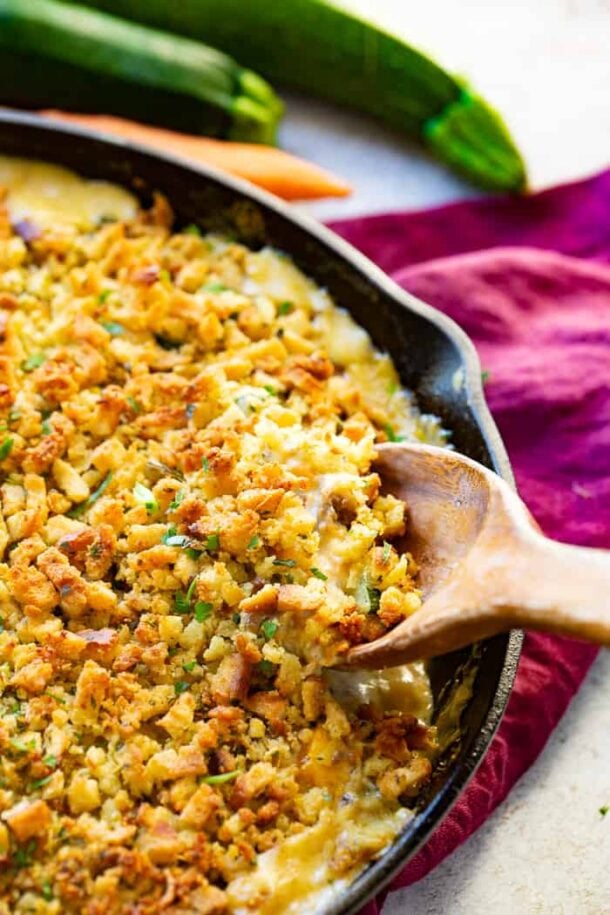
[(434, 357)]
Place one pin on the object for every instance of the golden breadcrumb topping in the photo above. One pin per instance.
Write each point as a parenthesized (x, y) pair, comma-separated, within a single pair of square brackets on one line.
[(190, 529)]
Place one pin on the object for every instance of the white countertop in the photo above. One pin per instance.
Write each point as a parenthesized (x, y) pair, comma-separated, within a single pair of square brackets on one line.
[(546, 65)]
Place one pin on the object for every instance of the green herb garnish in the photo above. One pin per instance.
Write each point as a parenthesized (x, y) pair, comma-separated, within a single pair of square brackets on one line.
[(46, 427), (14, 415), (79, 510), (114, 329), (6, 448), (33, 362), (284, 308), (269, 628), (289, 563), (178, 500), (191, 589), (192, 553), (135, 406), (47, 891), (604, 810), (40, 783), (270, 389), (215, 287), (212, 543), (24, 855), (180, 687), (146, 497), (205, 464), (189, 666), (386, 552), (367, 598), (266, 668), (202, 611), (192, 229), (181, 603), (254, 542), (104, 296), (220, 779), (391, 434), (50, 761), (319, 574)]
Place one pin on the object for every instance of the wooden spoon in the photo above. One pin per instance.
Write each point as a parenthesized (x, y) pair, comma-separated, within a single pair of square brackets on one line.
[(484, 565)]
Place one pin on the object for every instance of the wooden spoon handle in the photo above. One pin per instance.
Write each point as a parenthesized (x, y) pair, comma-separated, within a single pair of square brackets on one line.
[(560, 588), (535, 583)]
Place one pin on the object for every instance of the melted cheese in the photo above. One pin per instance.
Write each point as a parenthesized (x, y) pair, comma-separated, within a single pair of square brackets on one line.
[(297, 877), (49, 195)]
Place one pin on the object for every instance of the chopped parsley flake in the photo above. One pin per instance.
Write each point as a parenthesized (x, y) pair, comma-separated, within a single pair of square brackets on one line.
[(319, 574), (189, 666), (135, 406), (604, 810), (114, 329), (50, 761), (269, 628), (254, 542), (266, 668), (146, 497), (192, 229), (180, 687), (202, 611), (46, 427), (104, 296), (181, 603), (24, 855), (205, 464), (215, 287), (386, 552), (289, 563), (191, 589), (79, 510), (212, 543), (284, 308), (40, 783), (221, 779), (47, 891), (6, 448), (391, 434), (178, 500), (33, 362)]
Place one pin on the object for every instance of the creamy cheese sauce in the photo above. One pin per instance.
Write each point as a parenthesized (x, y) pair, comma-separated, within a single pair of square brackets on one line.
[(50, 195), (296, 877)]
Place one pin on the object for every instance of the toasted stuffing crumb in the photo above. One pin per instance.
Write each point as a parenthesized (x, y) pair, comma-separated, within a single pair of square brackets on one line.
[(190, 530)]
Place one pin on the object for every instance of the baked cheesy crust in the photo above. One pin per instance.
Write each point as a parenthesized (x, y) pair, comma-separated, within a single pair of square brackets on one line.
[(190, 528)]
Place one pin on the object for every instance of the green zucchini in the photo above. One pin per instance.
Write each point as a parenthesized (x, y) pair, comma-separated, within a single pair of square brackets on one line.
[(56, 55), (315, 46)]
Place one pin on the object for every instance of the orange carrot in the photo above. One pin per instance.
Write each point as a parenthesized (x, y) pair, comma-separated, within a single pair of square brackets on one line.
[(268, 167)]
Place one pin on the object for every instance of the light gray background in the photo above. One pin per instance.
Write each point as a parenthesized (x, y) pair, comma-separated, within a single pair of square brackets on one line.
[(546, 64)]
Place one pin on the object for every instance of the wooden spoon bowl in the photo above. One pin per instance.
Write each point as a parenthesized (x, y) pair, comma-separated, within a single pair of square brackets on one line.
[(485, 567)]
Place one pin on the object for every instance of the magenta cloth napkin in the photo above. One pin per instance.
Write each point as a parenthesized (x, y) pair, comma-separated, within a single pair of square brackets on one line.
[(529, 280)]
